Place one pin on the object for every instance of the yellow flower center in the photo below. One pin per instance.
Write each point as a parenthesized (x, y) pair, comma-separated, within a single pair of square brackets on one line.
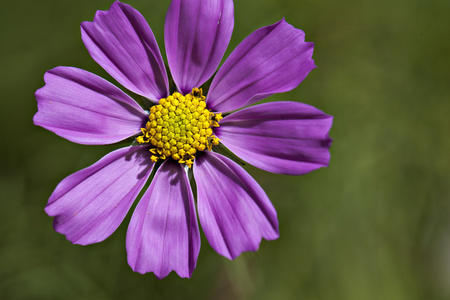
[(179, 126)]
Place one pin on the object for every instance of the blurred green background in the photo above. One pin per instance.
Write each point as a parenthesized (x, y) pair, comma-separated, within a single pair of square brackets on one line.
[(374, 225)]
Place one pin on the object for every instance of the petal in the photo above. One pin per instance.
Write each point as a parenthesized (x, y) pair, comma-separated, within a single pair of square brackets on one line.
[(197, 33), (86, 109), (281, 137), (233, 209), (90, 204), (163, 234), (273, 59), (121, 41)]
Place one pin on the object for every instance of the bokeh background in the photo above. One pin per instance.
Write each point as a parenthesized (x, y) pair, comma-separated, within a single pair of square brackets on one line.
[(374, 225)]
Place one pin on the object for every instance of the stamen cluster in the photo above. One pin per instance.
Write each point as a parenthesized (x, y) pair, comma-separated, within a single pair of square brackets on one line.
[(179, 126)]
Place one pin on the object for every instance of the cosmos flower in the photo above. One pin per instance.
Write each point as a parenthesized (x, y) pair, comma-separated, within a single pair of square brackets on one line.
[(178, 137)]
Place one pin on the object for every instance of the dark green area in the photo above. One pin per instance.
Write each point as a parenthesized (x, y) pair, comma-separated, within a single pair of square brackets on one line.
[(374, 225)]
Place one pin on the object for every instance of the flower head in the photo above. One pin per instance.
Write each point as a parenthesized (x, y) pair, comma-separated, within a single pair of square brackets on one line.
[(180, 133)]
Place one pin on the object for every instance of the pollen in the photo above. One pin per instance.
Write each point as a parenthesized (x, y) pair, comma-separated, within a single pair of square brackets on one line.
[(179, 126)]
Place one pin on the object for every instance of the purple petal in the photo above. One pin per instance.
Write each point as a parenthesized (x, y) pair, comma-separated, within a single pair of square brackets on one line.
[(197, 33), (86, 109), (121, 41), (234, 211), (273, 59), (281, 137), (90, 204), (163, 234)]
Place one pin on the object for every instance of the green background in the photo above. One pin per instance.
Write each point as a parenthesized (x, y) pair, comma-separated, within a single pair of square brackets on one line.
[(374, 225)]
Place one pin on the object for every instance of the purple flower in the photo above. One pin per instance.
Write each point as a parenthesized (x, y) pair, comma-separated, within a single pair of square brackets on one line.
[(179, 134)]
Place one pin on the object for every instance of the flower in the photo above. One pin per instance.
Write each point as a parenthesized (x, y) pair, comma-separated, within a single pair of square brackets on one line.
[(178, 137)]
